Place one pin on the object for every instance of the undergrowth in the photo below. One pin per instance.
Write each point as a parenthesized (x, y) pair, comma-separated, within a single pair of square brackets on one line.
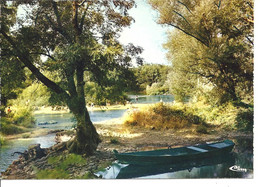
[(161, 116), (60, 167), (179, 115), (17, 121)]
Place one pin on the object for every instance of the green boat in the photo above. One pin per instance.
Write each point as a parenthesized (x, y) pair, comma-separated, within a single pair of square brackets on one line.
[(174, 155), (135, 171)]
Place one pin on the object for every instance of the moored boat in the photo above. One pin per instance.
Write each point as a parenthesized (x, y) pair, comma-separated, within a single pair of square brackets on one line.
[(174, 155)]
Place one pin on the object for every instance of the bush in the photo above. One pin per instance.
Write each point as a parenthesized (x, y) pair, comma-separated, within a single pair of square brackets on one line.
[(2, 140), (161, 116), (22, 116), (156, 89), (202, 129), (8, 128), (245, 120)]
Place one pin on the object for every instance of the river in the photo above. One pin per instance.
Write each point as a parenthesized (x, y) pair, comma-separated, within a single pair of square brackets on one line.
[(65, 121)]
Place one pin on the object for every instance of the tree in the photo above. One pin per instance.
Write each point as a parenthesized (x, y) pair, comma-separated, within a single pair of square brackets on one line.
[(213, 45), (148, 74), (13, 74), (78, 37)]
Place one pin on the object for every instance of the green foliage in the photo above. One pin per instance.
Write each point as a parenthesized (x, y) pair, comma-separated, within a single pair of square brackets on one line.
[(2, 140), (81, 42), (69, 160), (245, 120), (110, 94), (151, 77), (8, 128), (34, 95), (210, 48), (181, 115), (202, 129), (52, 174), (156, 89), (23, 116)]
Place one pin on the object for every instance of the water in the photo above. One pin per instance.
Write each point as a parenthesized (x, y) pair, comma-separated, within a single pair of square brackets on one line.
[(20, 145), (148, 99), (66, 120), (242, 157), (240, 160)]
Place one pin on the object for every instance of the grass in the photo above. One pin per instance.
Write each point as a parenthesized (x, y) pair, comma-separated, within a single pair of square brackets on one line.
[(177, 116), (8, 128), (60, 165), (18, 121), (2, 140), (161, 116)]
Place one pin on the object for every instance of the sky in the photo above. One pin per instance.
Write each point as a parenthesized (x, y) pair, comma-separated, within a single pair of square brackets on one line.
[(145, 32)]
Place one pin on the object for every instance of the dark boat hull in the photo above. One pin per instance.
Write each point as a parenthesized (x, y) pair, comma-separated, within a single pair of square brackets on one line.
[(172, 156), (134, 171)]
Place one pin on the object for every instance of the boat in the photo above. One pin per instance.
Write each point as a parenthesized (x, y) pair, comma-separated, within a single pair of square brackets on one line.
[(135, 171), (175, 155)]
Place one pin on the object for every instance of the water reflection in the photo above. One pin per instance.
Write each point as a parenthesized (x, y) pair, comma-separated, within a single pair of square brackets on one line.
[(214, 167), (217, 167)]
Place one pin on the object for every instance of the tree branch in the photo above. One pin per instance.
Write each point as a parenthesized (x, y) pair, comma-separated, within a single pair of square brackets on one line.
[(27, 62), (204, 43), (44, 55), (59, 28), (185, 6), (181, 16), (245, 36)]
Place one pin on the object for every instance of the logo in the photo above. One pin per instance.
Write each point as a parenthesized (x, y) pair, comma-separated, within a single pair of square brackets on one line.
[(237, 169)]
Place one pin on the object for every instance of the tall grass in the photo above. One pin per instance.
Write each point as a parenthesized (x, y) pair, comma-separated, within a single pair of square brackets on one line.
[(20, 118), (8, 128), (2, 140), (161, 116), (179, 115)]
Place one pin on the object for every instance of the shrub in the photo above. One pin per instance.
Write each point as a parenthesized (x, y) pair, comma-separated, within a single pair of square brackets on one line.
[(245, 120), (161, 116), (8, 128), (2, 140), (202, 129), (23, 116)]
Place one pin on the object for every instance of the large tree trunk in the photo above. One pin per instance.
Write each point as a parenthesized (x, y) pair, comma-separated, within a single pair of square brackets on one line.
[(87, 138)]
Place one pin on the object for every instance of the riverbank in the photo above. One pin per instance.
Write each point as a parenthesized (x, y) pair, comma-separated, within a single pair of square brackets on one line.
[(115, 135), (37, 131), (50, 110)]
